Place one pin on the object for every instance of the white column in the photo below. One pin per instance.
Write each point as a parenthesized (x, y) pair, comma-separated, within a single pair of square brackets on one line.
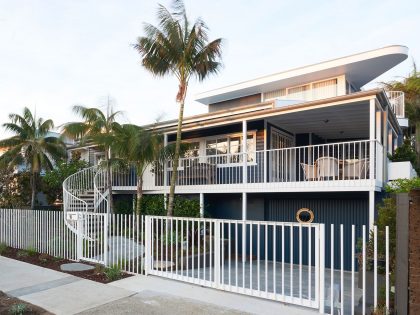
[(244, 154), (265, 151), (372, 127), (378, 125), (244, 206), (244, 216), (201, 205), (165, 163), (371, 209)]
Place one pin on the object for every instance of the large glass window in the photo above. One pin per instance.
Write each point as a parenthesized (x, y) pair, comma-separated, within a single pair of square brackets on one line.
[(227, 149), (193, 149)]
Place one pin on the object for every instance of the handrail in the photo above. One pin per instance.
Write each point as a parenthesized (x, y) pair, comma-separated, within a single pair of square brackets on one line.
[(100, 197), (397, 102), (73, 187)]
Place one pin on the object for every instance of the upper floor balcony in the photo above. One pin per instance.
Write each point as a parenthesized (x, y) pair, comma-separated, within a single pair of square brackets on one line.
[(397, 102), (354, 165)]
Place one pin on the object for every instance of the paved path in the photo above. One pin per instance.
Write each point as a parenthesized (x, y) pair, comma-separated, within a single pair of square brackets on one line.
[(61, 293), (242, 303)]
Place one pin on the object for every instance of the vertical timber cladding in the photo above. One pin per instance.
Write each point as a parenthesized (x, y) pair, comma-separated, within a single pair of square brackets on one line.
[(345, 208)]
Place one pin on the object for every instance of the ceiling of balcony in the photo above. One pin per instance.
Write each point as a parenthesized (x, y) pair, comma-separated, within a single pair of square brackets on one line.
[(334, 122)]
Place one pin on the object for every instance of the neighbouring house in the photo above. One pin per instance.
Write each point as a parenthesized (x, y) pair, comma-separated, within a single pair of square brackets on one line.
[(306, 144)]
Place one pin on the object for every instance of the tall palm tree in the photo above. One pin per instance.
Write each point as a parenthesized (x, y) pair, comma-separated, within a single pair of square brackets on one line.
[(97, 128), (180, 48), (410, 85), (31, 145), (140, 148)]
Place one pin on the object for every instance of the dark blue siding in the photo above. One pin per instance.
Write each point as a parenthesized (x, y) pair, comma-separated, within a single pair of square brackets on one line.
[(329, 208)]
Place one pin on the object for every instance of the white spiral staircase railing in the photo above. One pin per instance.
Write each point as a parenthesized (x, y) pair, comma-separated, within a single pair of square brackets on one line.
[(101, 204)]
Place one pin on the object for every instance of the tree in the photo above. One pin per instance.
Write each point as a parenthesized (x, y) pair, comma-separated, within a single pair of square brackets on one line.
[(97, 128), (14, 187), (180, 48), (32, 146), (140, 148), (410, 85), (52, 182)]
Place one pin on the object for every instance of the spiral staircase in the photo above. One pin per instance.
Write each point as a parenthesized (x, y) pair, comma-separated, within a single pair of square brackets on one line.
[(85, 204)]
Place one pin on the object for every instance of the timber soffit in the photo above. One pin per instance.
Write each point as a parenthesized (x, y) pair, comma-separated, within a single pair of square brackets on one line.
[(258, 111)]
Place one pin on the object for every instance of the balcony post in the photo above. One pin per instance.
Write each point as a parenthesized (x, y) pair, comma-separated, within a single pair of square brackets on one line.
[(372, 127), (265, 151), (165, 162), (245, 153), (244, 217)]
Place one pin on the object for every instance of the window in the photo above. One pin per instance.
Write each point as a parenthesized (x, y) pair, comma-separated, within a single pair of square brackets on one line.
[(227, 149), (193, 150)]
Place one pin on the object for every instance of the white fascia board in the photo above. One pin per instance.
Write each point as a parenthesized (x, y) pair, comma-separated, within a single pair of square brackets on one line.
[(360, 69)]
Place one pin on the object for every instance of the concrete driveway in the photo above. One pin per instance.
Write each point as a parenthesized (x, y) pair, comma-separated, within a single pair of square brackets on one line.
[(61, 293)]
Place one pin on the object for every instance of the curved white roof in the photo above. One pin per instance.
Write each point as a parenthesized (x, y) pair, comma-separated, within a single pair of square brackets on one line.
[(359, 69)]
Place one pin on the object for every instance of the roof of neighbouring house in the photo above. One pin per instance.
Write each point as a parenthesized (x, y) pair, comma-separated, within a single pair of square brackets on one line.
[(359, 69)]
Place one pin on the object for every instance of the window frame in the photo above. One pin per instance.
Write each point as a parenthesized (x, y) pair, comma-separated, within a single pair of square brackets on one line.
[(203, 148)]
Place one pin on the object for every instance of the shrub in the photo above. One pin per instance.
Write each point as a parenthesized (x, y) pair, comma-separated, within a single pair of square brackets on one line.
[(3, 248), (18, 309), (404, 153), (123, 206), (22, 253), (44, 258), (403, 185), (99, 269), (113, 273), (183, 207), (31, 251)]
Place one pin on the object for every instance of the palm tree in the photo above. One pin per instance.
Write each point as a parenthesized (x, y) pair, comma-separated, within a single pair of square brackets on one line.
[(31, 145), (140, 148), (180, 48), (410, 85), (97, 128)]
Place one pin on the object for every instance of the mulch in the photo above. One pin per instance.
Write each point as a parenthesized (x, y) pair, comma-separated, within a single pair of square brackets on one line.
[(54, 263), (7, 303)]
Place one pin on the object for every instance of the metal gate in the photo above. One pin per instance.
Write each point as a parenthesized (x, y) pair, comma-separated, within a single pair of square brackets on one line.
[(272, 260), (92, 237)]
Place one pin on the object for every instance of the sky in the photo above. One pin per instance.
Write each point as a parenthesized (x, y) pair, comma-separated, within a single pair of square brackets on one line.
[(56, 54)]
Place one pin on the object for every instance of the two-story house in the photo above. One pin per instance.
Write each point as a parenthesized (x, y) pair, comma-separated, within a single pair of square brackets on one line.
[(306, 144)]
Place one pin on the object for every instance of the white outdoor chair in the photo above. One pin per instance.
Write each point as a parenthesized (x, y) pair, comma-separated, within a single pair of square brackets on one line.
[(356, 169), (310, 171), (327, 167)]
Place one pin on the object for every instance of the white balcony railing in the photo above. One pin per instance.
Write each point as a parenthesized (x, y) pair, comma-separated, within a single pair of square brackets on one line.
[(355, 161), (397, 101)]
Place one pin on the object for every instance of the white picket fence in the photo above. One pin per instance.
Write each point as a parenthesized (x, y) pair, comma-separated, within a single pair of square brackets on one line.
[(44, 231), (286, 262)]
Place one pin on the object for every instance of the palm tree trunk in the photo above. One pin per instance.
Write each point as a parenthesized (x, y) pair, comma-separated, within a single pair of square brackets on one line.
[(109, 183), (139, 193), (33, 188), (181, 97)]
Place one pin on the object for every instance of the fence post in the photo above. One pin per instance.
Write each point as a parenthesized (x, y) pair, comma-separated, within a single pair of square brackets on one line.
[(217, 253), (80, 236), (106, 238), (321, 267), (147, 245)]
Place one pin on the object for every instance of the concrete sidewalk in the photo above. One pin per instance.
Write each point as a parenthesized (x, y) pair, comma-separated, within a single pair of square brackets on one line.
[(61, 293), (241, 303)]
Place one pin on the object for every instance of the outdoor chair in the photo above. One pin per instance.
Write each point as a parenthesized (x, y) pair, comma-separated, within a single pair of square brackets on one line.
[(356, 169), (327, 167), (310, 171)]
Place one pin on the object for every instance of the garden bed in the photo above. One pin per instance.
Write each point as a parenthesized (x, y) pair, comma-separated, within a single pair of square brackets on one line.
[(97, 274), (10, 305)]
